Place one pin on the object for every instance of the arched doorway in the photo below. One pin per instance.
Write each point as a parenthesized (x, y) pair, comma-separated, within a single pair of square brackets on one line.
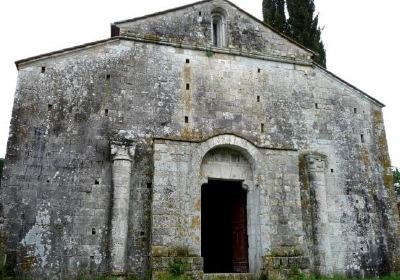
[(224, 211)]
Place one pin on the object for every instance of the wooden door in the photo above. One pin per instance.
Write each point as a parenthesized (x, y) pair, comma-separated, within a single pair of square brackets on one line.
[(240, 258)]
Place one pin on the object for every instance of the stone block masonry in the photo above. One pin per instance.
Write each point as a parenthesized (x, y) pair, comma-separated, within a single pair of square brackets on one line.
[(111, 142)]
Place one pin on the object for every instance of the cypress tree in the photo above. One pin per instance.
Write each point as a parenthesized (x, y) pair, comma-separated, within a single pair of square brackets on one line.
[(303, 27), (1, 167), (396, 177), (274, 14)]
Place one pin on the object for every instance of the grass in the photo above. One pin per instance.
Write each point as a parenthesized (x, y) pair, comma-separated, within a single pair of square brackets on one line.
[(180, 276), (302, 277), (83, 277)]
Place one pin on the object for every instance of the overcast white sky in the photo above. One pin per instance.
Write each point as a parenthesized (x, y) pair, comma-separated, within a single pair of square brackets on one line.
[(361, 38)]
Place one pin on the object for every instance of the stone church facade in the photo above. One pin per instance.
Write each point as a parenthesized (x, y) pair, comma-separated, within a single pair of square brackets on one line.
[(195, 136)]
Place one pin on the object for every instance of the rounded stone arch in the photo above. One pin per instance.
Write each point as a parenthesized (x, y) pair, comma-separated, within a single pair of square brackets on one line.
[(219, 27), (233, 142), (254, 159), (226, 163), (219, 10)]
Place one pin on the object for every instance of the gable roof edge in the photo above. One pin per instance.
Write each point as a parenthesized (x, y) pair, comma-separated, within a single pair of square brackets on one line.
[(380, 104), (273, 29), (28, 60), (162, 12), (65, 50), (230, 3)]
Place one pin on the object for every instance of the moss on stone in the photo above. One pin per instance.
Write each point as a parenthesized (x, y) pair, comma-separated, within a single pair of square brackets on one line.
[(179, 251), (152, 37), (289, 251)]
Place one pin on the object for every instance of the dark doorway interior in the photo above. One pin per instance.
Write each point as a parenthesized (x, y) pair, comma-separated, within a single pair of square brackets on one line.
[(224, 243)]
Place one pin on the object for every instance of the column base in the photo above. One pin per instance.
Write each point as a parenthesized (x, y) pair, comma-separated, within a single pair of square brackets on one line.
[(286, 267), (192, 266)]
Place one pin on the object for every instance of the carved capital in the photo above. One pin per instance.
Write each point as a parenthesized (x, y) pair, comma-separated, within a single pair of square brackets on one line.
[(315, 163), (122, 151)]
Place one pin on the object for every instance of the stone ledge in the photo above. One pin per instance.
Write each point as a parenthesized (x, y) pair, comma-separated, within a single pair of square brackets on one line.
[(163, 263)]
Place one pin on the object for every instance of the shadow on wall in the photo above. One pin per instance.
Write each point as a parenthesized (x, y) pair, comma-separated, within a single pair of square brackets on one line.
[(1, 168)]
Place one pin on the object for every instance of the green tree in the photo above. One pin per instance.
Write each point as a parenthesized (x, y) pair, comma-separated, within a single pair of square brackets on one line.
[(1, 167), (317, 44), (274, 14), (303, 27), (396, 177)]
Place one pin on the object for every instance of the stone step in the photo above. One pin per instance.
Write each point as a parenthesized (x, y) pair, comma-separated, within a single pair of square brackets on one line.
[(228, 276)]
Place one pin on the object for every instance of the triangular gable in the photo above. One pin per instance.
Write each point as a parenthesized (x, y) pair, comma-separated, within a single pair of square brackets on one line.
[(193, 25)]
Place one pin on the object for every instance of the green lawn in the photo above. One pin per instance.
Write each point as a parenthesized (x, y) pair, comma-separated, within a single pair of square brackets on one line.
[(394, 277)]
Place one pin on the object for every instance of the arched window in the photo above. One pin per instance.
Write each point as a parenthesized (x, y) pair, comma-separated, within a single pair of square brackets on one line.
[(218, 29)]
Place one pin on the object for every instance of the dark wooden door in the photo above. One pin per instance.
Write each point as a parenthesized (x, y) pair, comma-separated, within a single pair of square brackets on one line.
[(239, 233), (224, 227)]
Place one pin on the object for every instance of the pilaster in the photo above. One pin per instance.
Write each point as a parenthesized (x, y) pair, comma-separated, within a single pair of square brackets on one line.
[(122, 156), (317, 179)]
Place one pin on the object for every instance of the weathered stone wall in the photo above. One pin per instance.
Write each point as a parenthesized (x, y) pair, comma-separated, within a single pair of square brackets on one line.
[(57, 188), (57, 191), (273, 195), (193, 26)]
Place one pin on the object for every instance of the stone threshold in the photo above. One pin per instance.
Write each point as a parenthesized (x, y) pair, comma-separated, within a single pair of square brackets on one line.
[(228, 276)]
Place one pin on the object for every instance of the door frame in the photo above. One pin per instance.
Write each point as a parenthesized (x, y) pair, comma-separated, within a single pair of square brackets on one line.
[(240, 184)]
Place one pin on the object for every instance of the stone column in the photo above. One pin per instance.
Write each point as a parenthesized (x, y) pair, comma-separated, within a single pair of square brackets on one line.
[(121, 178), (319, 206)]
